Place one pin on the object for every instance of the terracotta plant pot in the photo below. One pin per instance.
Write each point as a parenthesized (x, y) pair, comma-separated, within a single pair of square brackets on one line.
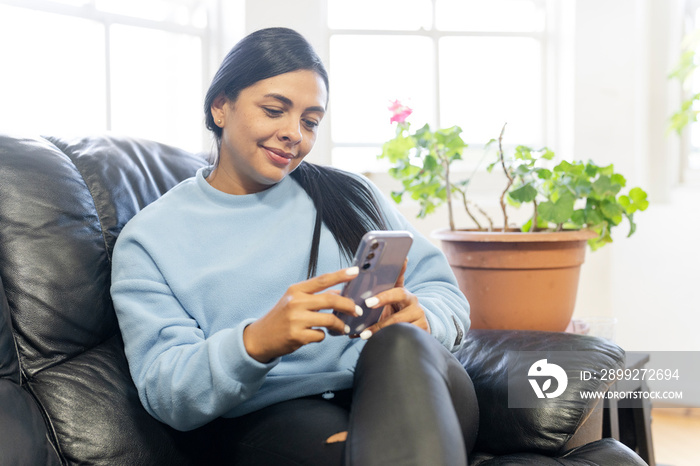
[(515, 280)]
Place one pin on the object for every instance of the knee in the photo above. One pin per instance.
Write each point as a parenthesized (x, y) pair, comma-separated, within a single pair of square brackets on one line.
[(399, 341)]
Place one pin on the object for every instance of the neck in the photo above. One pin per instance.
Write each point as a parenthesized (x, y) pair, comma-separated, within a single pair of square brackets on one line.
[(223, 181)]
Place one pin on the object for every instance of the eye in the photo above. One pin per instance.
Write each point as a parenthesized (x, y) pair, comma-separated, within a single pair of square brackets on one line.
[(310, 124), (272, 112)]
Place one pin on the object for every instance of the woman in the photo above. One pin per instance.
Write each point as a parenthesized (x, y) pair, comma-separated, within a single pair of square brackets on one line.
[(223, 289)]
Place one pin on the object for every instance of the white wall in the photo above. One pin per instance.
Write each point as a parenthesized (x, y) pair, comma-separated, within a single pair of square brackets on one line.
[(624, 50)]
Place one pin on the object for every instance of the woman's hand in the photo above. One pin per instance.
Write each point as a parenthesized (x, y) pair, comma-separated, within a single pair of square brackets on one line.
[(400, 305), (295, 320)]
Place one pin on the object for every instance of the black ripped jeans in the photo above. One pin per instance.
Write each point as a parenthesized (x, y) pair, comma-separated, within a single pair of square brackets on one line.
[(412, 404)]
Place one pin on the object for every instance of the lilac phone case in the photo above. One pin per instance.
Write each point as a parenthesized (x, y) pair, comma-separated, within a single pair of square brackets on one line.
[(380, 257)]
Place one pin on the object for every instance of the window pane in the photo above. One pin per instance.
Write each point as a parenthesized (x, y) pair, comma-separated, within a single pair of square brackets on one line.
[(157, 86), (185, 12), (384, 14), (693, 161), (489, 15), (367, 73), (488, 81), (48, 86), (359, 159), (72, 2)]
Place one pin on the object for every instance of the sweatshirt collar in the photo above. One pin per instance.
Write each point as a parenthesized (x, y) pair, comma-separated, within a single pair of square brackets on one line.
[(275, 193)]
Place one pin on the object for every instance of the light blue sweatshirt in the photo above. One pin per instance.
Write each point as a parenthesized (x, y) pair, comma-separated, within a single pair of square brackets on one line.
[(192, 269)]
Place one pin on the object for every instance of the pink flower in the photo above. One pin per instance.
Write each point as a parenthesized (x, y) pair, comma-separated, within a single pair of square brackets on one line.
[(399, 112)]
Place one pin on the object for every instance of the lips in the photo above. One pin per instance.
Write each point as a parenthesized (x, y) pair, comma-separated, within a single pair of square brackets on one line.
[(278, 156)]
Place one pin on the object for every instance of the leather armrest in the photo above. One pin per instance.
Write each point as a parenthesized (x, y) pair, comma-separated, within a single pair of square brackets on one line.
[(489, 355)]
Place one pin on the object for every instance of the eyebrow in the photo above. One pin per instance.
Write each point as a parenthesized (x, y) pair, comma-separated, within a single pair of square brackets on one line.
[(287, 101)]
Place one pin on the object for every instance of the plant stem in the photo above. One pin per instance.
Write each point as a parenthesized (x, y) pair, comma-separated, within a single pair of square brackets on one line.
[(510, 179), (488, 217), (448, 186), (534, 216), (466, 208)]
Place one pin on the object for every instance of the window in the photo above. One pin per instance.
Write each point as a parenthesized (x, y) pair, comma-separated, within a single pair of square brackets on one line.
[(691, 160), (473, 63), (134, 67)]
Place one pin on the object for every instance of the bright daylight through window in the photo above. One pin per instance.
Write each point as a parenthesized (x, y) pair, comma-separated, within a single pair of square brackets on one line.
[(134, 67), (472, 63)]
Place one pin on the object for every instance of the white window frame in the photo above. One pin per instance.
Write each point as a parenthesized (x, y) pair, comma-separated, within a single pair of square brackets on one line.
[(549, 73), (106, 19), (687, 149)]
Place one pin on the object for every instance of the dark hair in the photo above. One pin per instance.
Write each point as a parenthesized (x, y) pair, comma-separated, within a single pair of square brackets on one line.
[(343, 203), (260, 55)]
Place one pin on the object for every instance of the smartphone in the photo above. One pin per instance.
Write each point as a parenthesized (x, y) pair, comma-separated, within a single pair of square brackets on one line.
[(380, 257)]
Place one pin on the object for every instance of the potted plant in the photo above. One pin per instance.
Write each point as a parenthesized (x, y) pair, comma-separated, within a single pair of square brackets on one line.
[(515, 276)]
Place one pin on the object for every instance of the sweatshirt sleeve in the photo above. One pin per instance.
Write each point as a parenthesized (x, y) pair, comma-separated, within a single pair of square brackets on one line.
[(183, 379), (430, 277)]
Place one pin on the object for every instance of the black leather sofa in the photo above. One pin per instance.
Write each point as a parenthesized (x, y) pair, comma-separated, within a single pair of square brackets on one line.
[(66, 397)]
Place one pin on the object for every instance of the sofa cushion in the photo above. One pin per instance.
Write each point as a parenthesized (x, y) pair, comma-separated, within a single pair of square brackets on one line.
[(24, 438), (489, 354), (63, 203)]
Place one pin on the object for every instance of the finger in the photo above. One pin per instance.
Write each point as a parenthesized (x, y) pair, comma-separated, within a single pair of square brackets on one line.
[(327, 300), (408, 315), (399, 306), (400, 279), (330, 322), (327, 280), (313, 335), (396, 296)]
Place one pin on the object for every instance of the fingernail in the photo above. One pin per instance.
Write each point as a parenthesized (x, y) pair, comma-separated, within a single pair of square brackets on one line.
[(352, 271), (358, 310), (371, 302), (366, 334), (347, 329)]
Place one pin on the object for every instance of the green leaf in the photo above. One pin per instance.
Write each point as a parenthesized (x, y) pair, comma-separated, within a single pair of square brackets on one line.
[(574, 169), (547, 154), (559, 211), (685, 66), (521, 170), (616, 178), (581, 187), (685, 115), (543, 173), (599, 242), (578, 218), (612, 210), (397, 148), (604, 186), (635, 200), (430, 163), (488, 144), (523, 153), (633, 226), (607, 171), (526, 193), (593, 218), (591, 170)]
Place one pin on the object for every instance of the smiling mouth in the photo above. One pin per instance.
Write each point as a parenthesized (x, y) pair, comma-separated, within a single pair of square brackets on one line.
[(279, 157), (280, 153)]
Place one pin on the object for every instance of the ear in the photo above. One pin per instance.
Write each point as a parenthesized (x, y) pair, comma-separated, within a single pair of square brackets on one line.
[(218, 110)]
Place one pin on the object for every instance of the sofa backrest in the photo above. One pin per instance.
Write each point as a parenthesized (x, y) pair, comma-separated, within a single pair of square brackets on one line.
[(63, 203)]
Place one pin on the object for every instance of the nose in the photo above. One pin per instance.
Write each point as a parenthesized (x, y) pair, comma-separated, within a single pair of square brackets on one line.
[(290, 132)]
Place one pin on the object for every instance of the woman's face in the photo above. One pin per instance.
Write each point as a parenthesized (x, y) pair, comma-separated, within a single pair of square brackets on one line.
[(267, 130)]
